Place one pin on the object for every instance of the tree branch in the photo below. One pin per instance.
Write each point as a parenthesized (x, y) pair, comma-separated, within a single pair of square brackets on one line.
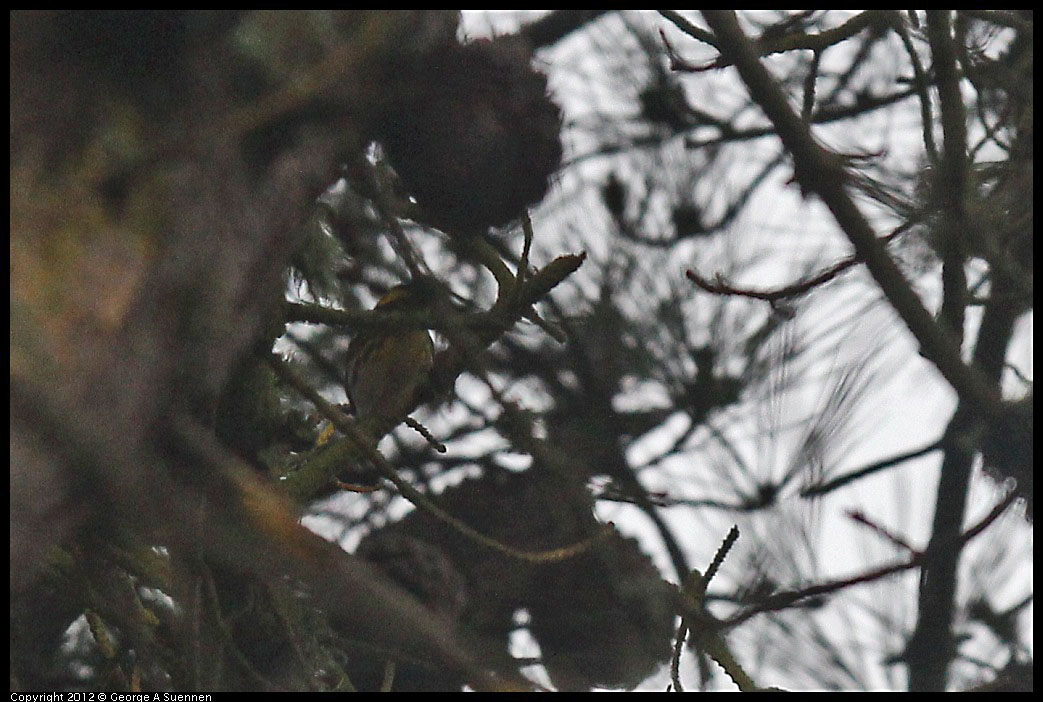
[(783, 600), (719, 286), (822, 172), (557, 25), (850, 477), (951, 181)]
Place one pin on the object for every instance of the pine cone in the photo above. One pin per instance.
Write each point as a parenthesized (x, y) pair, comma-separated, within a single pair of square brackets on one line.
[(604, 618), (472, 133)]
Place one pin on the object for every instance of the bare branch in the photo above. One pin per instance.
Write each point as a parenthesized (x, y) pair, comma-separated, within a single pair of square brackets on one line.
[(783, 600), (951, 182), (920, 82), (719, 286)]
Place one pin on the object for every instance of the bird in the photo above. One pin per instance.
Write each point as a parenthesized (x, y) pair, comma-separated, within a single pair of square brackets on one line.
[(387, 367)]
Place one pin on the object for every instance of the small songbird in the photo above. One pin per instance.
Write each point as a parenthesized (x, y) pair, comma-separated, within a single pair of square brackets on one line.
[(386, 368)]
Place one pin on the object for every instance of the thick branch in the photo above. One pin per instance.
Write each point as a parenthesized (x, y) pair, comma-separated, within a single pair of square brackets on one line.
[(933, 645), (951, 182)]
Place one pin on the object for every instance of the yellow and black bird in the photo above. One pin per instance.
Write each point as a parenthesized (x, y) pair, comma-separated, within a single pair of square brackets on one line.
[(387, 368)]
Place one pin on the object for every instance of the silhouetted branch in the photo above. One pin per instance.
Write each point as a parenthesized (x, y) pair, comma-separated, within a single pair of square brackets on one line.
[(822, 172), (783, 600), (557, 25), (847, 478), (719, 286), (860, 517), (766, 46)]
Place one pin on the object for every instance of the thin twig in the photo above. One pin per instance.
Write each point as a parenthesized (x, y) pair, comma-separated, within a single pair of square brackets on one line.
[(722, 553), (423, 431), (920, 82), (783, 600), (688, 28), (820, 40), (860, 517), (842, 480), (824, 115), (790, 41), (675, 658), (523, 265), (719, 286)]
